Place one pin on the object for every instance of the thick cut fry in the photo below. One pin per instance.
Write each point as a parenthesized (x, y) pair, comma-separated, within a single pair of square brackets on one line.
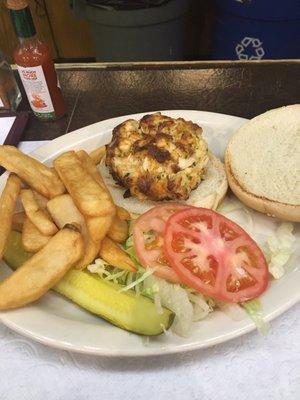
[(118, 230), (98, 227), (41, 200), (41, 272), (123, 214), (18, 221), (38, 217), (115, 256), (90, 166), (63, 211), (37, 175), (92, 169), (32, 239), (7, 207), (97, 154), (90, 198)]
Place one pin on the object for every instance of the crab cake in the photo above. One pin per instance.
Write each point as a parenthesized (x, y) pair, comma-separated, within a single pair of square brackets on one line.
[(157, 158)]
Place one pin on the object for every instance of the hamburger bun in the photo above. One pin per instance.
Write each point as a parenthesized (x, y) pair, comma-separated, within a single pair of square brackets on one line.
[(262, 162)]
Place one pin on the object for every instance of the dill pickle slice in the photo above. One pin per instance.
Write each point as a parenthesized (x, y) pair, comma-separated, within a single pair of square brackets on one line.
[(125, 310)]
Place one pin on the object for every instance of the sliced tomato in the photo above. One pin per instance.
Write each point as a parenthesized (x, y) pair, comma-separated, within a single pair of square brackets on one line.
[(214, 255), (148, 231)]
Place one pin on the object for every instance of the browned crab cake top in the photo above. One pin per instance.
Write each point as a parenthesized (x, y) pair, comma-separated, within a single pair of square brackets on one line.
[(158, 157)]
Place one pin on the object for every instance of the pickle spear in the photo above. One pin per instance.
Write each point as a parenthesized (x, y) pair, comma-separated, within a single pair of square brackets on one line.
[(126, 310)]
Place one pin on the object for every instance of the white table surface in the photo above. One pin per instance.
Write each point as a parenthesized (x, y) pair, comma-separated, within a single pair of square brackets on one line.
[(250, 367)]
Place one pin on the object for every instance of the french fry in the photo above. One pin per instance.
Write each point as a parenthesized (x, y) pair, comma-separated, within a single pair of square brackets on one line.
[(123, 214), (7, 207), (90, 198), (118, 230), (18, 221), (99, 226), (115, 256), (32, 239), (37, 175), (97, 154), (63, 211), (38, 217), (43, 270), (41, 200), (90, 252), (92, 169)]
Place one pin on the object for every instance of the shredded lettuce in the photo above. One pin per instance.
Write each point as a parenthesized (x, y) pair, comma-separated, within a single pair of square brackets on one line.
[(229, 205), (108, 272), (98, 266), (280, 247), (174, 297), (233, 311), (129, 242), (254, 310), (139, 280), (157, 302), (200, 305), (129, 248), (243, 217)]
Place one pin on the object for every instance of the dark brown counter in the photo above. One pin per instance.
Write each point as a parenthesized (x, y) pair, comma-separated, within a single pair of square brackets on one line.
[(94, 92)]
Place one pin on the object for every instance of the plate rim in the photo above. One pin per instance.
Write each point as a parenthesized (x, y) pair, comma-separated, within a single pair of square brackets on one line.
[(147, 351), (81, 131)]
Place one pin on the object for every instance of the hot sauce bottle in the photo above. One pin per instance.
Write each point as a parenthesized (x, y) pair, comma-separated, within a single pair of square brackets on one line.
[(35, 65)]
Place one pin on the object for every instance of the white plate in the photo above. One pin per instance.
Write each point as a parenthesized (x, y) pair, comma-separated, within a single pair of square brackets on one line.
[(57, 322)]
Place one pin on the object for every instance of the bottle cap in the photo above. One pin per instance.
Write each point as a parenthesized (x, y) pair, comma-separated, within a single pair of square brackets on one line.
[(21, 18), (16, 4)]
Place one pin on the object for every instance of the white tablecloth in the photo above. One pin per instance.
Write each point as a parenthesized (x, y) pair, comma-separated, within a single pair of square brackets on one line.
[(250, 367)]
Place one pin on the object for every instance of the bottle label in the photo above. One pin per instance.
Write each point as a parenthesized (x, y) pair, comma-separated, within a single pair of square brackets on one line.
[(37, 91)]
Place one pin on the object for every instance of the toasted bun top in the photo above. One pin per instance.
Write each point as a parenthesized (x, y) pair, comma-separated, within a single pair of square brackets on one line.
[(264, 155)]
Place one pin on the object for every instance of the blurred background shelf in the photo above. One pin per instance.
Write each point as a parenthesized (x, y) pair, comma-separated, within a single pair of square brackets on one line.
[(83, 31), (69, 36)]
